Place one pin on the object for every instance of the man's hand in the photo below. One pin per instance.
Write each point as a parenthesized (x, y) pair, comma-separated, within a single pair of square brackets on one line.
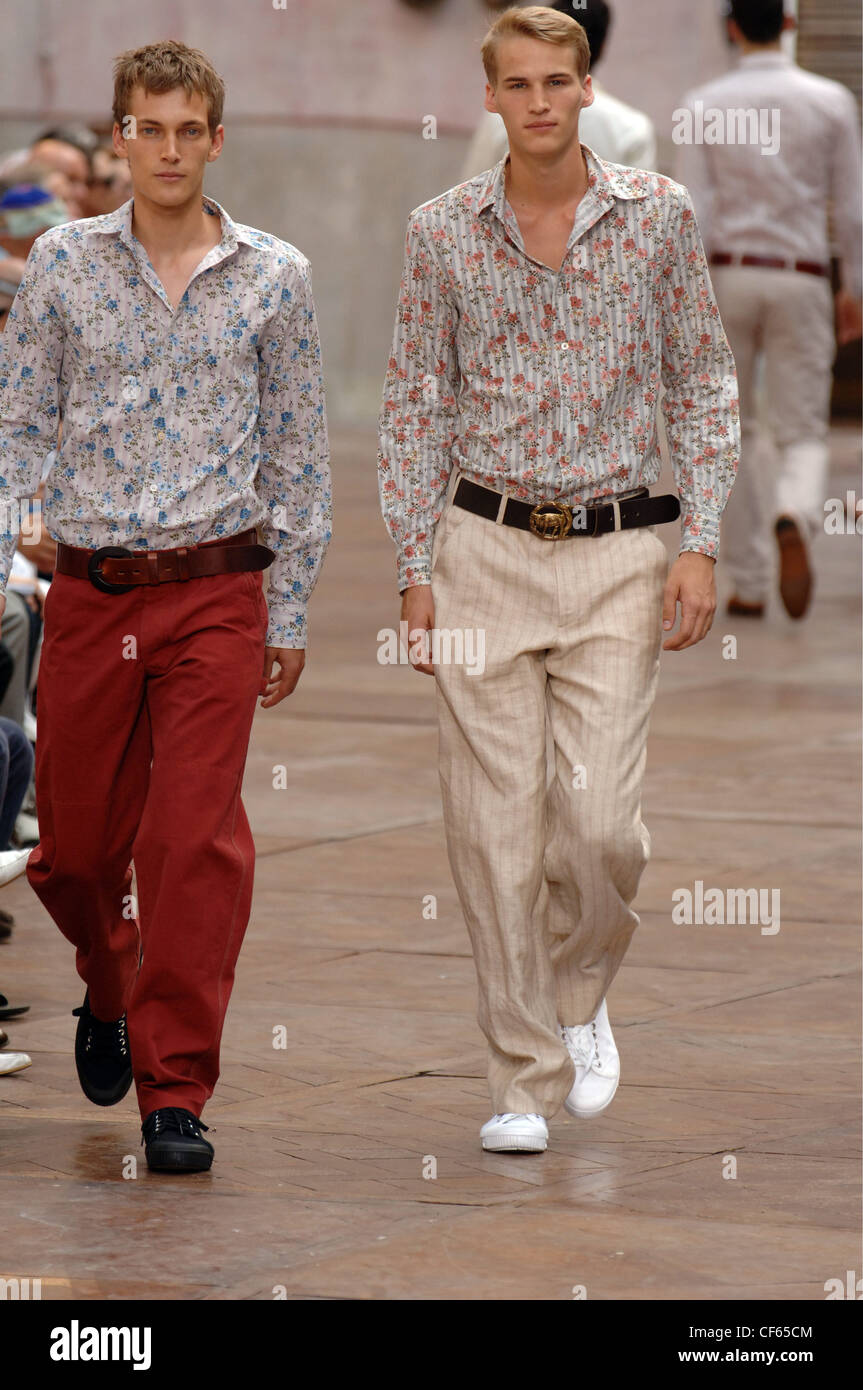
[(418, 613), (690, 583), (290, 661), (41, 550), (849, 318)]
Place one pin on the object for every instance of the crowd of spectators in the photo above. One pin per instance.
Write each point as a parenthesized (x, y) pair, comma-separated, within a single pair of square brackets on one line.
[(69, 172)]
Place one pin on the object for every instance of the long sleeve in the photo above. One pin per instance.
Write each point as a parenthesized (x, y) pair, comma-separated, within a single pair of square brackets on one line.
[(846, 195), (419, 415), (700, 379), (31, 356), (293, 480)]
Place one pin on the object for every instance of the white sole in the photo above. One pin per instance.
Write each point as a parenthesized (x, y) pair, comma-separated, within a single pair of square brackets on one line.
[(16, 1066), (509, 1143)]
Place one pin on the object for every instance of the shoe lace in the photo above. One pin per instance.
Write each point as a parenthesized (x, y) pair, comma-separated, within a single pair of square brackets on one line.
[(581, 1044), (509, 1115), (104, 1039), (172, 1119)]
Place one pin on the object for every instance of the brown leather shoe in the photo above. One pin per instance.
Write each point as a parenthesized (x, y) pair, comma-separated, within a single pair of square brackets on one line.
[(4, 1038), (738, 609), (795, 576)]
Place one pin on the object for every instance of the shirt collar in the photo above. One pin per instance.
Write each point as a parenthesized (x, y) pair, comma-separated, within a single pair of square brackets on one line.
[(119, 223), (608, 181), (772, 57)]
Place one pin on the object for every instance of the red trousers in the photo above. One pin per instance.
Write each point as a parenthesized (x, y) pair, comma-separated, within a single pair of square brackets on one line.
[(145, 706)]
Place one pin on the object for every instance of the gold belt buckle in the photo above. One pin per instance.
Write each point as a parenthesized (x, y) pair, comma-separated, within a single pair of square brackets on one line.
[(551, 521)]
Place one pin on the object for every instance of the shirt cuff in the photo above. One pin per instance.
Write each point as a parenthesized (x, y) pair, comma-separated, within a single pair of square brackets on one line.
[(700, 533), (286, 625), (414, 567)]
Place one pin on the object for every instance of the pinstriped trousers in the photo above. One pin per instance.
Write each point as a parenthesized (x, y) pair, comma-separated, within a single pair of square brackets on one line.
[(545, 871)]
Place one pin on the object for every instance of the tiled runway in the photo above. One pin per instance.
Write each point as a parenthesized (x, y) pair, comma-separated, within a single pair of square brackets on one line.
[(347, 1161)]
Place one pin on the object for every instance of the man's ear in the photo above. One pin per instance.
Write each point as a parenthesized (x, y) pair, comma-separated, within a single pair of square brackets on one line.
[(490, 103), (589, 93), (733, 33), (218, 142)]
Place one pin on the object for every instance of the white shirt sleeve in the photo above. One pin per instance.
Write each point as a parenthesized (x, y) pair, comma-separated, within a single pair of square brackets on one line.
[(846, 194)]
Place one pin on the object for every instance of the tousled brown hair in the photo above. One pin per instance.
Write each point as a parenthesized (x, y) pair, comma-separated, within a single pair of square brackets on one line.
[(160, 67)]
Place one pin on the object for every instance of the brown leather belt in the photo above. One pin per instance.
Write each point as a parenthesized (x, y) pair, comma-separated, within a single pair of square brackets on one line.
[(771, 263), (113, 569), (552, 521)]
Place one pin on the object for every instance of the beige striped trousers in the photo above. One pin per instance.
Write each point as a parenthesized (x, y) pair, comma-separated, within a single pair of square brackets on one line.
[(546, 871)]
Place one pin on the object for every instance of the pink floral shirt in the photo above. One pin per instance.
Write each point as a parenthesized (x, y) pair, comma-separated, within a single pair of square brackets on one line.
[(546, 383)]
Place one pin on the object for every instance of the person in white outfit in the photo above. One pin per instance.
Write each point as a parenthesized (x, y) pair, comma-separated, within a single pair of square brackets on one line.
[(612, 129), (761, 200)]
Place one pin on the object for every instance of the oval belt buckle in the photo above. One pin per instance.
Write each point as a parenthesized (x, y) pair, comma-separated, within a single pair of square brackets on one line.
[(551, 521), (94, 573)]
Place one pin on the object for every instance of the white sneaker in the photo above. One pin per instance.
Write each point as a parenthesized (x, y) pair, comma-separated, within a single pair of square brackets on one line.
[(511, 1132), (597, 1065), (13, 862), (13, 1061)]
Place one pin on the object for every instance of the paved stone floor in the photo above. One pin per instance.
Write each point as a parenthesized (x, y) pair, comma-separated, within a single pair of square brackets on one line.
[(738, 1047)]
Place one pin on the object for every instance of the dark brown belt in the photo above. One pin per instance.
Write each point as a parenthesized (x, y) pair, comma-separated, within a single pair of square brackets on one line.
[(114, 569), (552, 521), (771, 263)]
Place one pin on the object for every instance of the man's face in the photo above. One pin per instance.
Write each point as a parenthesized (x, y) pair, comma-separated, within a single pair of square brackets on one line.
[(171, 145), (538, 94), (111, 185), (70, 172)]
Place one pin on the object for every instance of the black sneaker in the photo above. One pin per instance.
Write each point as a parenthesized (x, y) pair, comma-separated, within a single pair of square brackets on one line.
[(102, 1056), (174, 1143)]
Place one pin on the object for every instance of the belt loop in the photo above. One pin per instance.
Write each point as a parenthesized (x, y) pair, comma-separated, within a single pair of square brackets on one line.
[(616, 509), (502, 508), (153, 566)]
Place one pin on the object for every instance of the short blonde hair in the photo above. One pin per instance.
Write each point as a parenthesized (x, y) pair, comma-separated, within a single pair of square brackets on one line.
[(161, 67), (536, 22)]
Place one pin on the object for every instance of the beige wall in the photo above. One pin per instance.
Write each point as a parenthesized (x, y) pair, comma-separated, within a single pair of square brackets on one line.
[(324, 118)]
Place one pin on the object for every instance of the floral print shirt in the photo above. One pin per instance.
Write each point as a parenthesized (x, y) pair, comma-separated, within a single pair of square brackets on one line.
[(545, 383), (179, 425)]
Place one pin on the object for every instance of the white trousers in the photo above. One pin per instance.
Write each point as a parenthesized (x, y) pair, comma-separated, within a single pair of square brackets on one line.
[(788, 316), (546, 874)]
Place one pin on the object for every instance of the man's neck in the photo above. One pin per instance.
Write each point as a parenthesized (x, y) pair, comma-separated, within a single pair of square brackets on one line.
[(746, 47), (168, 232), (550, 184)]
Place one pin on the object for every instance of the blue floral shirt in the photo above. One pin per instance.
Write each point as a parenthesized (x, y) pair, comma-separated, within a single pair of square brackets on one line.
[(179, 425)]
